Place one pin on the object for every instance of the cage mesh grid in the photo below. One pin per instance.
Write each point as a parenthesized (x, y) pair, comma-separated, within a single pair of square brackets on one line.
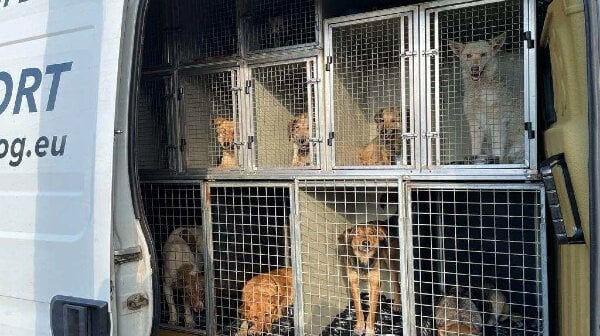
[(251, 236), (170, 208), (152, 120), (371, 77), (285, 111), (212, 120), (477, 258), (206, 30), (475, 92), (156, 50), (326, 210), (280, 23)]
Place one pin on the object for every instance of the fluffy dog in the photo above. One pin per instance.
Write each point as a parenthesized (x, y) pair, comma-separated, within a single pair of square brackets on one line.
[(298, 134), (494, 115), (362, 249), (387, 144), (225, 130), (264, 298), (182, 270)]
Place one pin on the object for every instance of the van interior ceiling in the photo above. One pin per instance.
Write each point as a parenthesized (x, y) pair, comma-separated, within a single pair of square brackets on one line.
[(270, 135)]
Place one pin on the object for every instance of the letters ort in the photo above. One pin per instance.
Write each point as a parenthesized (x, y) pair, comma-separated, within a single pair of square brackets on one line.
[(27, 84)]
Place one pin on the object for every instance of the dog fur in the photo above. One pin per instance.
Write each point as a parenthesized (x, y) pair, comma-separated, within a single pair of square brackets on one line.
[(298, 134), (264, 298), (492, 112), (182, 269), (387, 144), (225, 130), (363, 248)]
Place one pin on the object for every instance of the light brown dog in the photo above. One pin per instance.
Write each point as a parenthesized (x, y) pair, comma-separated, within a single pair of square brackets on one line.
[(298, 134), (225, 130), (456, 314), (363, 248), (388, 143), (264, 298)]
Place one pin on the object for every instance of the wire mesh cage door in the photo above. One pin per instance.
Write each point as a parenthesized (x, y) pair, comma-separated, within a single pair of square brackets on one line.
[(154, 129), (284, 99), (477, 84), (252, 275), (174, 214), (479, 256), (351, 257), (206, 31), (281, 24), (371, 94), (213, 129)]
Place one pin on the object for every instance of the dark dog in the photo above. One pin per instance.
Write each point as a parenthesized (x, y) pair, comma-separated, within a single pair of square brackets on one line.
[(363, 248)]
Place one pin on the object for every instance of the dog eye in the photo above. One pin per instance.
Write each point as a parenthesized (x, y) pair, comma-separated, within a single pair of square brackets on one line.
[(469, 55), (483, 54)]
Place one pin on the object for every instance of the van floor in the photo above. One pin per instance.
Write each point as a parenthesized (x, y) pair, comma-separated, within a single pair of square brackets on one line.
[(162, 332)]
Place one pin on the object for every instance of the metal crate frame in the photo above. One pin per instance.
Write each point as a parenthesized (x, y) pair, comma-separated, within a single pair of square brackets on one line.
[(408, 234)]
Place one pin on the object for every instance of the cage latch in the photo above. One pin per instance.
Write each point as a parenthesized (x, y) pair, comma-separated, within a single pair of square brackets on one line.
[(313, 81), (248, 86), (330, 138), (527, 37), (328, 63), (530, 130), (430, 52), (432, 134), (553, 201), (250, 141), (409, 53), (409, 135), (316, 140)]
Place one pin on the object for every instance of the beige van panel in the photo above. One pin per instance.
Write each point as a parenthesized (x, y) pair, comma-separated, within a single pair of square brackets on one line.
[(564, 33)]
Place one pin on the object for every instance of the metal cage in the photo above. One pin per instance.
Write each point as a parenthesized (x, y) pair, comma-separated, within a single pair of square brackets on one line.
[(212, 120), (334, 220), (478, 258), (250, 237), (284, 99), (479, 91), (174, 214), (371, 88)]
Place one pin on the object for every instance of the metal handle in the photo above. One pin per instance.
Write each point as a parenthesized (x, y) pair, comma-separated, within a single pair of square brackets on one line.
[(553, 201)]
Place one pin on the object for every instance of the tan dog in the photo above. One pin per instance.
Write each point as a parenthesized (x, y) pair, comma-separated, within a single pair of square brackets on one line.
[(385, 146), (225, 130), (182, 269), (298, 134), (363, 248), (264, 298)]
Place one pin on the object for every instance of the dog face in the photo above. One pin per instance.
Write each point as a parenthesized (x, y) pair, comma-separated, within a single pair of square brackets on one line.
[(225, 130), (298, 133), (365, 240), (192, 283), (475, 56), (389, 124)]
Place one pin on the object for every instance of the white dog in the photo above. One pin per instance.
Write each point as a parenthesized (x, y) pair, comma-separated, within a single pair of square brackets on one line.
[(183, 270), (494, 114)]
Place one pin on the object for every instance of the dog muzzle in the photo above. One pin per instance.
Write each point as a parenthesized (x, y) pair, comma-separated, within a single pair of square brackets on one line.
[(476, 73)]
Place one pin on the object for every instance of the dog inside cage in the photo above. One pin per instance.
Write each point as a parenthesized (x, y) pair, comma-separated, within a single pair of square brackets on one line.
[(477, 261), (174, 216), (349, 249), (253, 283), (476, 88)]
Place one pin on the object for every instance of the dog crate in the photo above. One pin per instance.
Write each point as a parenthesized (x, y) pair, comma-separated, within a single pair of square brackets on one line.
[(284, 99), (479, 83), (278, 24), (210, 108), (487, 241), (327, 210), (169, 206), (250, 228), (370, 71)]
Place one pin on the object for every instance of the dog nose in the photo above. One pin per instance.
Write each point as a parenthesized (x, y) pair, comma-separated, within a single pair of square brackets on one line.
[(365, 243), (303, 141)]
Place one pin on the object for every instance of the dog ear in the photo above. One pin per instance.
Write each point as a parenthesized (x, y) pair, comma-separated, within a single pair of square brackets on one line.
[(382, 234), (218, 121), (343, 238), (378, 117), (290, 129), (456, 47), (497, 42)]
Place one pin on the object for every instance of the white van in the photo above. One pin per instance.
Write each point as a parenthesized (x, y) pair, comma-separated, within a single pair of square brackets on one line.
[(123, 122)]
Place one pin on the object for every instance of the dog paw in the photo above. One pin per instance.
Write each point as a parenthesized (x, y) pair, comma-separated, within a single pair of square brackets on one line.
[(370, 332), (359, 329)]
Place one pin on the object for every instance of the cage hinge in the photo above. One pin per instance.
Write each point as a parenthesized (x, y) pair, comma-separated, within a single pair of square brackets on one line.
[(431, 135), (530, 130), (180, 93), (328, 62), (330, 139), (430, 52), (248, 86), (250, 141), (409, 53), (409, 135), (527, 37), (182, 144), (127, 255)]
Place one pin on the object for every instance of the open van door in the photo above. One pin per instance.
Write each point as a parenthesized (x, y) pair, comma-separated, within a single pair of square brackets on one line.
[(58, 87)]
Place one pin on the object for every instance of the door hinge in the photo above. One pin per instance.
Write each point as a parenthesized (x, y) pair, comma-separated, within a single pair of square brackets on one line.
[(180, 93), (527, 37), (530, 131), (328, 62), (250, 141), (248, 86), (330, 139), (127, 255), (137, 301)]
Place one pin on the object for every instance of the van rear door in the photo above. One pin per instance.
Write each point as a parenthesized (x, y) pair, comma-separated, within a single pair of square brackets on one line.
[(58, 84)]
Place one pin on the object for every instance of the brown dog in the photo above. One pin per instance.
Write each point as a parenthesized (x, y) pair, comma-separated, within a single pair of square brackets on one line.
[(363, 248), (456, 314), (298, 134), (387, 144), (264, 298), (225, 130)]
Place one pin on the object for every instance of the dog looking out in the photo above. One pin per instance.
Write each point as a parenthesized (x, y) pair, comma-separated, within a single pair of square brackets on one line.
[(384, 148), (225, 130), (298, 134)]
